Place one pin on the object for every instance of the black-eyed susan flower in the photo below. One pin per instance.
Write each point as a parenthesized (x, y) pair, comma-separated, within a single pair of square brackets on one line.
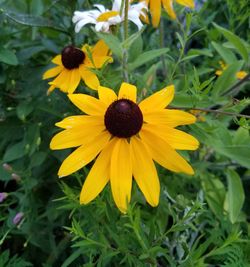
[(155, 8), (239, 74), (103, 18), (74, 64), (125, 138)]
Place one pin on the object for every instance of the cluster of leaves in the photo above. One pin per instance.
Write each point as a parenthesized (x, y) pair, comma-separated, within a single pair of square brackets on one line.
[(201, 220)]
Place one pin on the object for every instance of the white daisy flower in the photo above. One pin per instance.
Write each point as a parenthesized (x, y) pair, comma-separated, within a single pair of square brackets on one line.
[(103, 18)]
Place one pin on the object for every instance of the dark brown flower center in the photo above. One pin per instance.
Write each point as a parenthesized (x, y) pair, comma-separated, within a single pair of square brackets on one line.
[(123, 118), (72, 57)]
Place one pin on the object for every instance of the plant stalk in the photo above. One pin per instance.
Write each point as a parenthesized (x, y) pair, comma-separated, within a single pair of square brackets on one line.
[(164, 67), (215, 111), (125, 52)]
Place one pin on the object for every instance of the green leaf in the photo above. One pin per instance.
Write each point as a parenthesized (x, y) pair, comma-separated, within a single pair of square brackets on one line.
[(37, 159), (215, 193), (8, 57), (135, 49), (188, 58), (14, 152), (236, 195), (31, 20), (24, 109), (72, 257), (37, 7), (239, 153), (147, 56), (227, 55), (227, 78), (234, 40), (182, 42), (241, 136), (32, 138), (200, 52), (112, 42), (128, 42)]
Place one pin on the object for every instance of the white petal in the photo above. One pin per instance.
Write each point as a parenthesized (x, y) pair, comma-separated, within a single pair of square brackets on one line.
[(83, 22), (115, 20), (106, 26), (139, 7), (101, 8), (133, 16), (100, 26), (117, 5)]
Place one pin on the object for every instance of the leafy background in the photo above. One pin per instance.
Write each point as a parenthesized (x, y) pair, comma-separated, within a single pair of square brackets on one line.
[(202, 220)]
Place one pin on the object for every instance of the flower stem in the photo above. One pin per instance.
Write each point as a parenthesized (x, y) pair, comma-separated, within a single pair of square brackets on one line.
[(215, 111), (125, 52), (164, 67), (126, 19)]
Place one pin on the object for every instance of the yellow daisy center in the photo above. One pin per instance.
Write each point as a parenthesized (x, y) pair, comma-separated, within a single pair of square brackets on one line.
[(72, 57), (107, 15), (123, 118)]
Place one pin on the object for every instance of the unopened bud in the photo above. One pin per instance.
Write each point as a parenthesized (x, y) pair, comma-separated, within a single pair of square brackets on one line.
[(18, 217), (7, 167), (3, 196), (16, 177)]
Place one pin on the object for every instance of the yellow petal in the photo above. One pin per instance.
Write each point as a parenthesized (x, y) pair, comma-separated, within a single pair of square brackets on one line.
[(89, 78), (164, 154), (65, 84), (121, 174), (106, 95), (83, 155), (188, 3), (51, 88), (169, 117), (76, 136), (57, 60), (175, 138), (100, 61), (74, 80), (168, 6), (88, 104), (158, 100), (62, 80), (155, 10), (218, 72), (100, 49), (98, 175), (144, 171), (52, 72), (80, 120), (241, 75), (127, 91)]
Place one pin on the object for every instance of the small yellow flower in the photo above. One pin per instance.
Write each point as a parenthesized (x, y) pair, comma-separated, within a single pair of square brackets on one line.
[(198, 114), (155, 8), (125, 138), (74, 64), (239, 75)]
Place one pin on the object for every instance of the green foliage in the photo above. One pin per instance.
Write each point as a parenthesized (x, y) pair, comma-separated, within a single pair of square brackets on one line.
[(202, 220)]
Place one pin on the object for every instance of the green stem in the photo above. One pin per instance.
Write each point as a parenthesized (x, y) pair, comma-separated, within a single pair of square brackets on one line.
[(126, 19), (125, 52), (137, 233), (215, 111), (164, 67)]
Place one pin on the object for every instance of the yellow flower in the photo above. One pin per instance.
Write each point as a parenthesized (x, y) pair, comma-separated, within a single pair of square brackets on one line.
[(125, 138), (239, 75), (198, 114), (74, 64), (155, 8)]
